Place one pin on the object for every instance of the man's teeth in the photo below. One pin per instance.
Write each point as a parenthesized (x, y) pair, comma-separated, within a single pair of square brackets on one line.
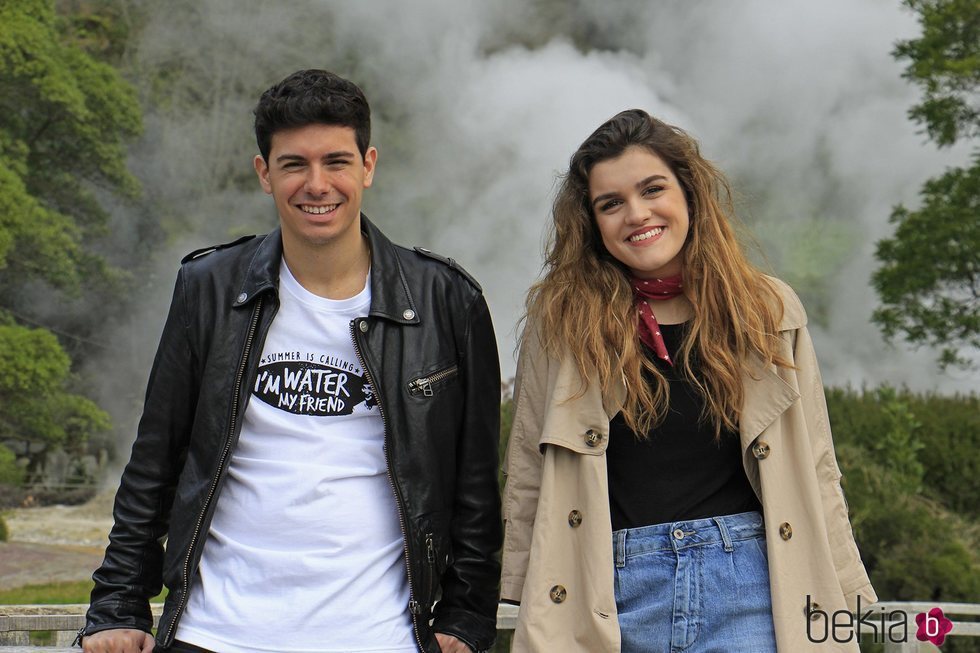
[(318, 209), (656, 231)]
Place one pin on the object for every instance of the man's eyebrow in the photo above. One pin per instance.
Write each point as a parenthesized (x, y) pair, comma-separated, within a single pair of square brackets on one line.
[(640, 184), (339, 155), (289, 157)]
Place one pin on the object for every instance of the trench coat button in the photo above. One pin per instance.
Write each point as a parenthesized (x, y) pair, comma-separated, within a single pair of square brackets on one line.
[(761, 450), (592, 437), (813, 608), (362, 325), (408, 314), (242, 297), (574, 518), (558, 594), (785, 530)]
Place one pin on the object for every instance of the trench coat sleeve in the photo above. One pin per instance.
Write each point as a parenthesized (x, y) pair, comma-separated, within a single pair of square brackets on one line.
[(522, 466), (851, 574), (131, 573)]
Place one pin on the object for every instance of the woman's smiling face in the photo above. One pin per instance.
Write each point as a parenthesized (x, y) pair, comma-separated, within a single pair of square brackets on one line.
[(641, 211)]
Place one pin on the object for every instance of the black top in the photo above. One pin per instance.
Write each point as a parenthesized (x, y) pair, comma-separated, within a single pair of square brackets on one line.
[(679, 472)]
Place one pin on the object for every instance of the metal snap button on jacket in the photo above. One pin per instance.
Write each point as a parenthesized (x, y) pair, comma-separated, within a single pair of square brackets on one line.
[(592, 437), (785, 530), (242, 297), (363, 326), (574, 518), (558, 594), (761, 450), (408, 314)]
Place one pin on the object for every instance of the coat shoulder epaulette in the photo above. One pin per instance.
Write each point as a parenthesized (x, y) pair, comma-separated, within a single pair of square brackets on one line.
[(204, 251), (451, 263)]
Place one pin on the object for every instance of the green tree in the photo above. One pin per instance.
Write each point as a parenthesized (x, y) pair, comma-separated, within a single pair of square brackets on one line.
[(929, 279), (65, 119)]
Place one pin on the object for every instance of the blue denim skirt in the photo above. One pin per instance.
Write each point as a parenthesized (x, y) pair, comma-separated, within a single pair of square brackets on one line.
[(695, 586)]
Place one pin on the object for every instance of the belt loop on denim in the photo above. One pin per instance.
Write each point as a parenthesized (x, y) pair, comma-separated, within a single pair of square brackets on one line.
[(619, 548), (725, 535)]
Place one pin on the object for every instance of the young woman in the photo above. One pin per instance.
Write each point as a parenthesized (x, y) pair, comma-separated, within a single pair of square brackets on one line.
[(672, 483)]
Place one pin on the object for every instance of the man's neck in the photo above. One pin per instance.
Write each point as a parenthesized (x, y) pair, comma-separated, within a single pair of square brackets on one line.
[(335, 270)]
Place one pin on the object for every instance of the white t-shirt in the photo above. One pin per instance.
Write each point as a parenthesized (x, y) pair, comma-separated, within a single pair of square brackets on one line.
[(305, 552)]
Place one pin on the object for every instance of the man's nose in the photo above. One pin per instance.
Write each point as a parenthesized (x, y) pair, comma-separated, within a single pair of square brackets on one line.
[(317, 181)]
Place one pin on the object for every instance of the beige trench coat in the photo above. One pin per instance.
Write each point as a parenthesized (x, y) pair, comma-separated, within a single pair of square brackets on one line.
[(559, 566)]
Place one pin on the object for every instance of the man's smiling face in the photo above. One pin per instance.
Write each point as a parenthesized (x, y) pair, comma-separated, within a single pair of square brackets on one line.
[(316, 175)]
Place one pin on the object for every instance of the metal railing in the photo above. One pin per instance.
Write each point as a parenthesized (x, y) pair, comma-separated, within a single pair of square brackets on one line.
[(17, 622)]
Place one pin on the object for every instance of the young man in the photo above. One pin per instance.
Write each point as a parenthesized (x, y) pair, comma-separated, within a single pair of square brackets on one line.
[(319, 439)]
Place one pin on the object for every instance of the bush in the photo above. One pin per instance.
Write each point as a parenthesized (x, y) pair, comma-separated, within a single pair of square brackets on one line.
[(10, 472), (4, 534)]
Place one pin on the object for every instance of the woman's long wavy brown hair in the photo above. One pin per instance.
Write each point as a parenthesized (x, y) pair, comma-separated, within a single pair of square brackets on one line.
[(584, 306)]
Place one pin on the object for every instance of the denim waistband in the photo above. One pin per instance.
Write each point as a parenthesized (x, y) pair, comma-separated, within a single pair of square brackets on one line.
[(679, 535)]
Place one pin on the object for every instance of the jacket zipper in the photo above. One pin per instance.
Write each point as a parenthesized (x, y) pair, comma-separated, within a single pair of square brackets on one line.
[(414, 607), (424, 384), (168, 639), (430, 551)]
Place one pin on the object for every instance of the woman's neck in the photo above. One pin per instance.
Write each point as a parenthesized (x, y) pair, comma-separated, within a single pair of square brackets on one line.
[(672, 311)]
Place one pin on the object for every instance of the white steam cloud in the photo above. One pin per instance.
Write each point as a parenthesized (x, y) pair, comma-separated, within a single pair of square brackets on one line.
[(478, 107)]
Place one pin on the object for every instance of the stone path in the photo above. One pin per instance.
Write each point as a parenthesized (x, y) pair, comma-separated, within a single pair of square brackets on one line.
[(54, 543)]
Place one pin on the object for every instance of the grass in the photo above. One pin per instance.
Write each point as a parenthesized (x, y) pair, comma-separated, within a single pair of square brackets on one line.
[(53, 594), (48, 593)]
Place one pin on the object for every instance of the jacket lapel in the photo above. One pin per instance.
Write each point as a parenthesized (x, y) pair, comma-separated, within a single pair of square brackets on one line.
[(766, 397)]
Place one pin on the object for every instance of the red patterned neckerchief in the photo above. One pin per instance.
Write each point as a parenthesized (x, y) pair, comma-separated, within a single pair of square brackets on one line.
[(656, 289)]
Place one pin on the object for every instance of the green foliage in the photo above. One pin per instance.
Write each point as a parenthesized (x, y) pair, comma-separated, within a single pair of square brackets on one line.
[(10, 472), (945, 62), (48, 594), (910, 467), (898, 446), (4, 533), (929, 279), (64, 121), (34, 392)]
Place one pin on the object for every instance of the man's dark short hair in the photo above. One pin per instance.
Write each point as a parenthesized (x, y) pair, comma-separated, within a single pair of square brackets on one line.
[(309, 97)]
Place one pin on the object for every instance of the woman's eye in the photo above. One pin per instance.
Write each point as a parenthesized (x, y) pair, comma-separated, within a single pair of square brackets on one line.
[(611, 204), (652, 190)]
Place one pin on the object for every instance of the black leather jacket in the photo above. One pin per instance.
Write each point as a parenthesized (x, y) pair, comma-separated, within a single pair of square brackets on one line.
[(430, 354)]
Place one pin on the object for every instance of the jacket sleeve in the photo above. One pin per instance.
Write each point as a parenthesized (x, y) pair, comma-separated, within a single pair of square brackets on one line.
[(131, 572), (523, 467), (468, 607), (851, 573)]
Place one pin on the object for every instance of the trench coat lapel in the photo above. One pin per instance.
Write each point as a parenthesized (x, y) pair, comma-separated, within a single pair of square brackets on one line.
[(766, 397)]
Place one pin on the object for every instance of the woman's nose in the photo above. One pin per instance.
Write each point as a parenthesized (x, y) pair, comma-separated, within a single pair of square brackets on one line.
[(636, 213)]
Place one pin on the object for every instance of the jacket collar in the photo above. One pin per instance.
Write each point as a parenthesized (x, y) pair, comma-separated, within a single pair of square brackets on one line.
[(391, 297)]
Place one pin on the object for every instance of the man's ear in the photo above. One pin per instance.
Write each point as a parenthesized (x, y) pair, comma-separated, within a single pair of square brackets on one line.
[(370, 161), (262, 170)]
